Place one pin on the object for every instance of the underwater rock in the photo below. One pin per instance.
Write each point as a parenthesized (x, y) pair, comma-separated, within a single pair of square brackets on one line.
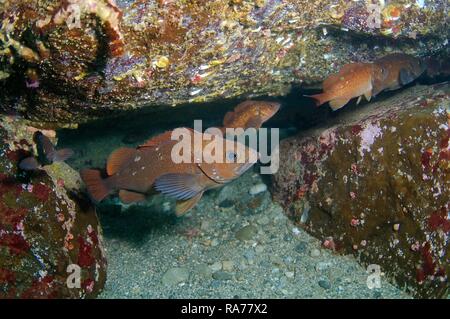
[(376, 184), (48, 235), (66, 62)]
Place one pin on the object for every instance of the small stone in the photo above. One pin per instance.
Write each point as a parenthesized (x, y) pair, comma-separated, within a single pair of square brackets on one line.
[(216, 266), (246, 233), (314, 252), (204, 225), (249, 255), (321, 266), (325, 284), (257, 189), (227, 203), (175, 276), (289, 274), (204, 271), (227, 265), (259, 249), (214, 242), (301, 247), (263, 220), (222, 275)]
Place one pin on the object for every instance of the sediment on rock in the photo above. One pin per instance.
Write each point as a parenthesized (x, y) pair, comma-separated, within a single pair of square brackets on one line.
[(375, 183)]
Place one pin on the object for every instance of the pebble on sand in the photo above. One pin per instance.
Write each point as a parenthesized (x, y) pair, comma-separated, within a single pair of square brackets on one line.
[(325, 284), (227, 265), (315, 252), (246, 232), (257, 189), (222, 275), (175, 276)]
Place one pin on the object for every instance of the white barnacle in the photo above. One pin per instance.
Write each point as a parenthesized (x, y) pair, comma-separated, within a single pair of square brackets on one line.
[(195, 92), (137, 158)]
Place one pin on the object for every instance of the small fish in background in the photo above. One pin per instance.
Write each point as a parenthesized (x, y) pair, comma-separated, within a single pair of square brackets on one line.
[(135, 172), (47, 154), (250, 114), (353, 80), (398, 70)]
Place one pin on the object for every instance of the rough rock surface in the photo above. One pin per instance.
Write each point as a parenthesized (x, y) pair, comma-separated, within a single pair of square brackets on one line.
[(67, 61), (44, 227), (377, 184)]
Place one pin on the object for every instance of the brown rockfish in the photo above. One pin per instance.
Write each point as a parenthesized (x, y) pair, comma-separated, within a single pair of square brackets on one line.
[(212, 162), (398, 70), (250, 114), (353, 80)]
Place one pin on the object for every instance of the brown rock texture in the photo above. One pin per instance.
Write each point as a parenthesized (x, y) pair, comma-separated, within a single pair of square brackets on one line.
[(69, 61), (44, 226), (376, 184)]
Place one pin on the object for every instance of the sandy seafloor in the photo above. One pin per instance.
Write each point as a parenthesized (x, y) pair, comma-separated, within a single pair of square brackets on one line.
[(231, 245)]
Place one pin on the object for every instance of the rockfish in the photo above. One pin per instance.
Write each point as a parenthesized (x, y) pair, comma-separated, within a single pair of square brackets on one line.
[(134, 172)]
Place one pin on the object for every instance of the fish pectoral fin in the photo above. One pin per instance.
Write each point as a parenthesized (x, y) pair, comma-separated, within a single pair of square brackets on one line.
[(406, 77), (118, 158), (182, 207), (336, 104), (128, 197), (359, 100), (179, 186), (368, 95), (62, 155)]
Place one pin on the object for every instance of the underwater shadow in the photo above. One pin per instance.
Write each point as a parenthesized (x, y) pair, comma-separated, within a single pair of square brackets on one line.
[(134, 224)]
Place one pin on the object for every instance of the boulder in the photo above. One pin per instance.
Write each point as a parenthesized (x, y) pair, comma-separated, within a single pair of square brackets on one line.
[(67, 62), (375, 183), (50, 237)]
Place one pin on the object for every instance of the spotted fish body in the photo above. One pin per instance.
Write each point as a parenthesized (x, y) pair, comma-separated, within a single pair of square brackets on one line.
[(398, 70), (353, 80), (134, 173)]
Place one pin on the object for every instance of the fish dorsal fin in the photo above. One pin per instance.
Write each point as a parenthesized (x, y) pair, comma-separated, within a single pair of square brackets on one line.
[(243, 106), (118, 158), (182, 207), (228, 119), (179, 186), (368, 95), (128, 197), (338, 103), (157, 140)]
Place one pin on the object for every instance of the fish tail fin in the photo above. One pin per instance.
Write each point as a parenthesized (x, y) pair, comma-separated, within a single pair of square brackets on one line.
[(62, 155), (320, 99), (96, 186)]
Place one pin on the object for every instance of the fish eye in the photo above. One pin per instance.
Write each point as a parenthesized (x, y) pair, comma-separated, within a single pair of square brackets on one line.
[(231, 156)]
